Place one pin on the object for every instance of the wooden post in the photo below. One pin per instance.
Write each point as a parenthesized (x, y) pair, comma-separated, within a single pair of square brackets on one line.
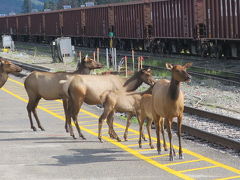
[(107, 61), (115, 58), (94, 55), (80, 56), (141, 62), (97, 54), (138, 63), (133, 60), (126, 66)]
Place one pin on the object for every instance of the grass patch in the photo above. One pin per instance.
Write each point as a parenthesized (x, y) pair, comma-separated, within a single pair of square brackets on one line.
[(133, 120)]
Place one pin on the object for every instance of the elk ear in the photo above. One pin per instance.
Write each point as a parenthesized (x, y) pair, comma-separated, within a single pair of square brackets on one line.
[(169, 66), (188, 65)]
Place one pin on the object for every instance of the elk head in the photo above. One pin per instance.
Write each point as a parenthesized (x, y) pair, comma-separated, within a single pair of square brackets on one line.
[(179, 72), (9, 67), (146, 76)]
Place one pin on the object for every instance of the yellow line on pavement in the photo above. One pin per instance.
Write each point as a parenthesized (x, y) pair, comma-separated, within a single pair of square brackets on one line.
[(157, 156), (196, 169), (183, 162)]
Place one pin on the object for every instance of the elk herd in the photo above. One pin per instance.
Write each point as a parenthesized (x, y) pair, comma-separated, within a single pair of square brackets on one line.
[(160, 103)]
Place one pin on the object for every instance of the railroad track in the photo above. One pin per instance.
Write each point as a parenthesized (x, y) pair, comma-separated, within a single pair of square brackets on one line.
[(229, 77), (212, 138), (228, 80)]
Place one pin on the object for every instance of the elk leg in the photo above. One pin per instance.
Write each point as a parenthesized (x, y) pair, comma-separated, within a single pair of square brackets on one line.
[(36, 116), (68, 123), (130, 115), (168, 121), (110, 122), (162, 131), (142, 117), (138, 118), (32, 103), (75, 110), (179, 136), (100, 123), (149, 123), (157, 124), (65, 107)]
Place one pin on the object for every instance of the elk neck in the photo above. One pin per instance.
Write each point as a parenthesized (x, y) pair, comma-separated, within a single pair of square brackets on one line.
[(82, 69), (132, 83), (3, 77), (174, 89)]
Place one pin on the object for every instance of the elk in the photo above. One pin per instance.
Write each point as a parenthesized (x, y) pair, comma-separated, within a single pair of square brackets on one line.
[(47, 85), (168, 102), (146, 114), (89, 88), (123, 102), (7, 67)]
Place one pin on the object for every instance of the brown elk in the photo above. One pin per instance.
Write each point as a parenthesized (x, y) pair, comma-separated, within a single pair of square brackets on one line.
[(146, 114), (123, 102), (47, 85), (7, 67), (168, 102), (88, 89)]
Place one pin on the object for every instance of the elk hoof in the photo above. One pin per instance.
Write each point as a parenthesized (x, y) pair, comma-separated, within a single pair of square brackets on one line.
[(119, 140), (159, 152), (151, 146), (33, 128), (170, 158), (74, 137), (100, 139), (83, 137), (181, 156), (42, 128)]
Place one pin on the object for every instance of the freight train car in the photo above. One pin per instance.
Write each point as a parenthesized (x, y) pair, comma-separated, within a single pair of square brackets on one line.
[(201, 27)]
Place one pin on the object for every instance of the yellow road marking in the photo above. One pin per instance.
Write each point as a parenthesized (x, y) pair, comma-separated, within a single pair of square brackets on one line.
[(129, 139), (233, 177), (52, 105), (106, 132), (183, 162), (97, 129), (132, 145), (87, 121), (132, 151), (89, 125), (149, 149), (157, 156), (196, 169)]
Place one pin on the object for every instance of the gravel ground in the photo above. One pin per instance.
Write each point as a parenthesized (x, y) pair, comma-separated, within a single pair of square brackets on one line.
[(211, 126)]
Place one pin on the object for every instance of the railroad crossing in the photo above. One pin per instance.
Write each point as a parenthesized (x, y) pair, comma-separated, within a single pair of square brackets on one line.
[(53, 154)]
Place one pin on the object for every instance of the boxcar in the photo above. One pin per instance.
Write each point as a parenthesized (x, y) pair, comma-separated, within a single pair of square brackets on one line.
[(72, 25), (203, 27), (96, 22), (23, 25), (53, 24), (3, 25), (37, 26)]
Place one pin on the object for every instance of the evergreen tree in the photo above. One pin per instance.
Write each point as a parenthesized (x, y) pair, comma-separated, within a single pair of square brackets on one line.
[(27, 6), (50, 5)]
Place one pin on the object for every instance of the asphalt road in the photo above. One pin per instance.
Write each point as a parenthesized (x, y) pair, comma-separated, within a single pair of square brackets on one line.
[(53, 154)]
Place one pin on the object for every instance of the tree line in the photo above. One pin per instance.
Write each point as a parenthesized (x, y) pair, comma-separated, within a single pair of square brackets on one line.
[(58, 4)]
